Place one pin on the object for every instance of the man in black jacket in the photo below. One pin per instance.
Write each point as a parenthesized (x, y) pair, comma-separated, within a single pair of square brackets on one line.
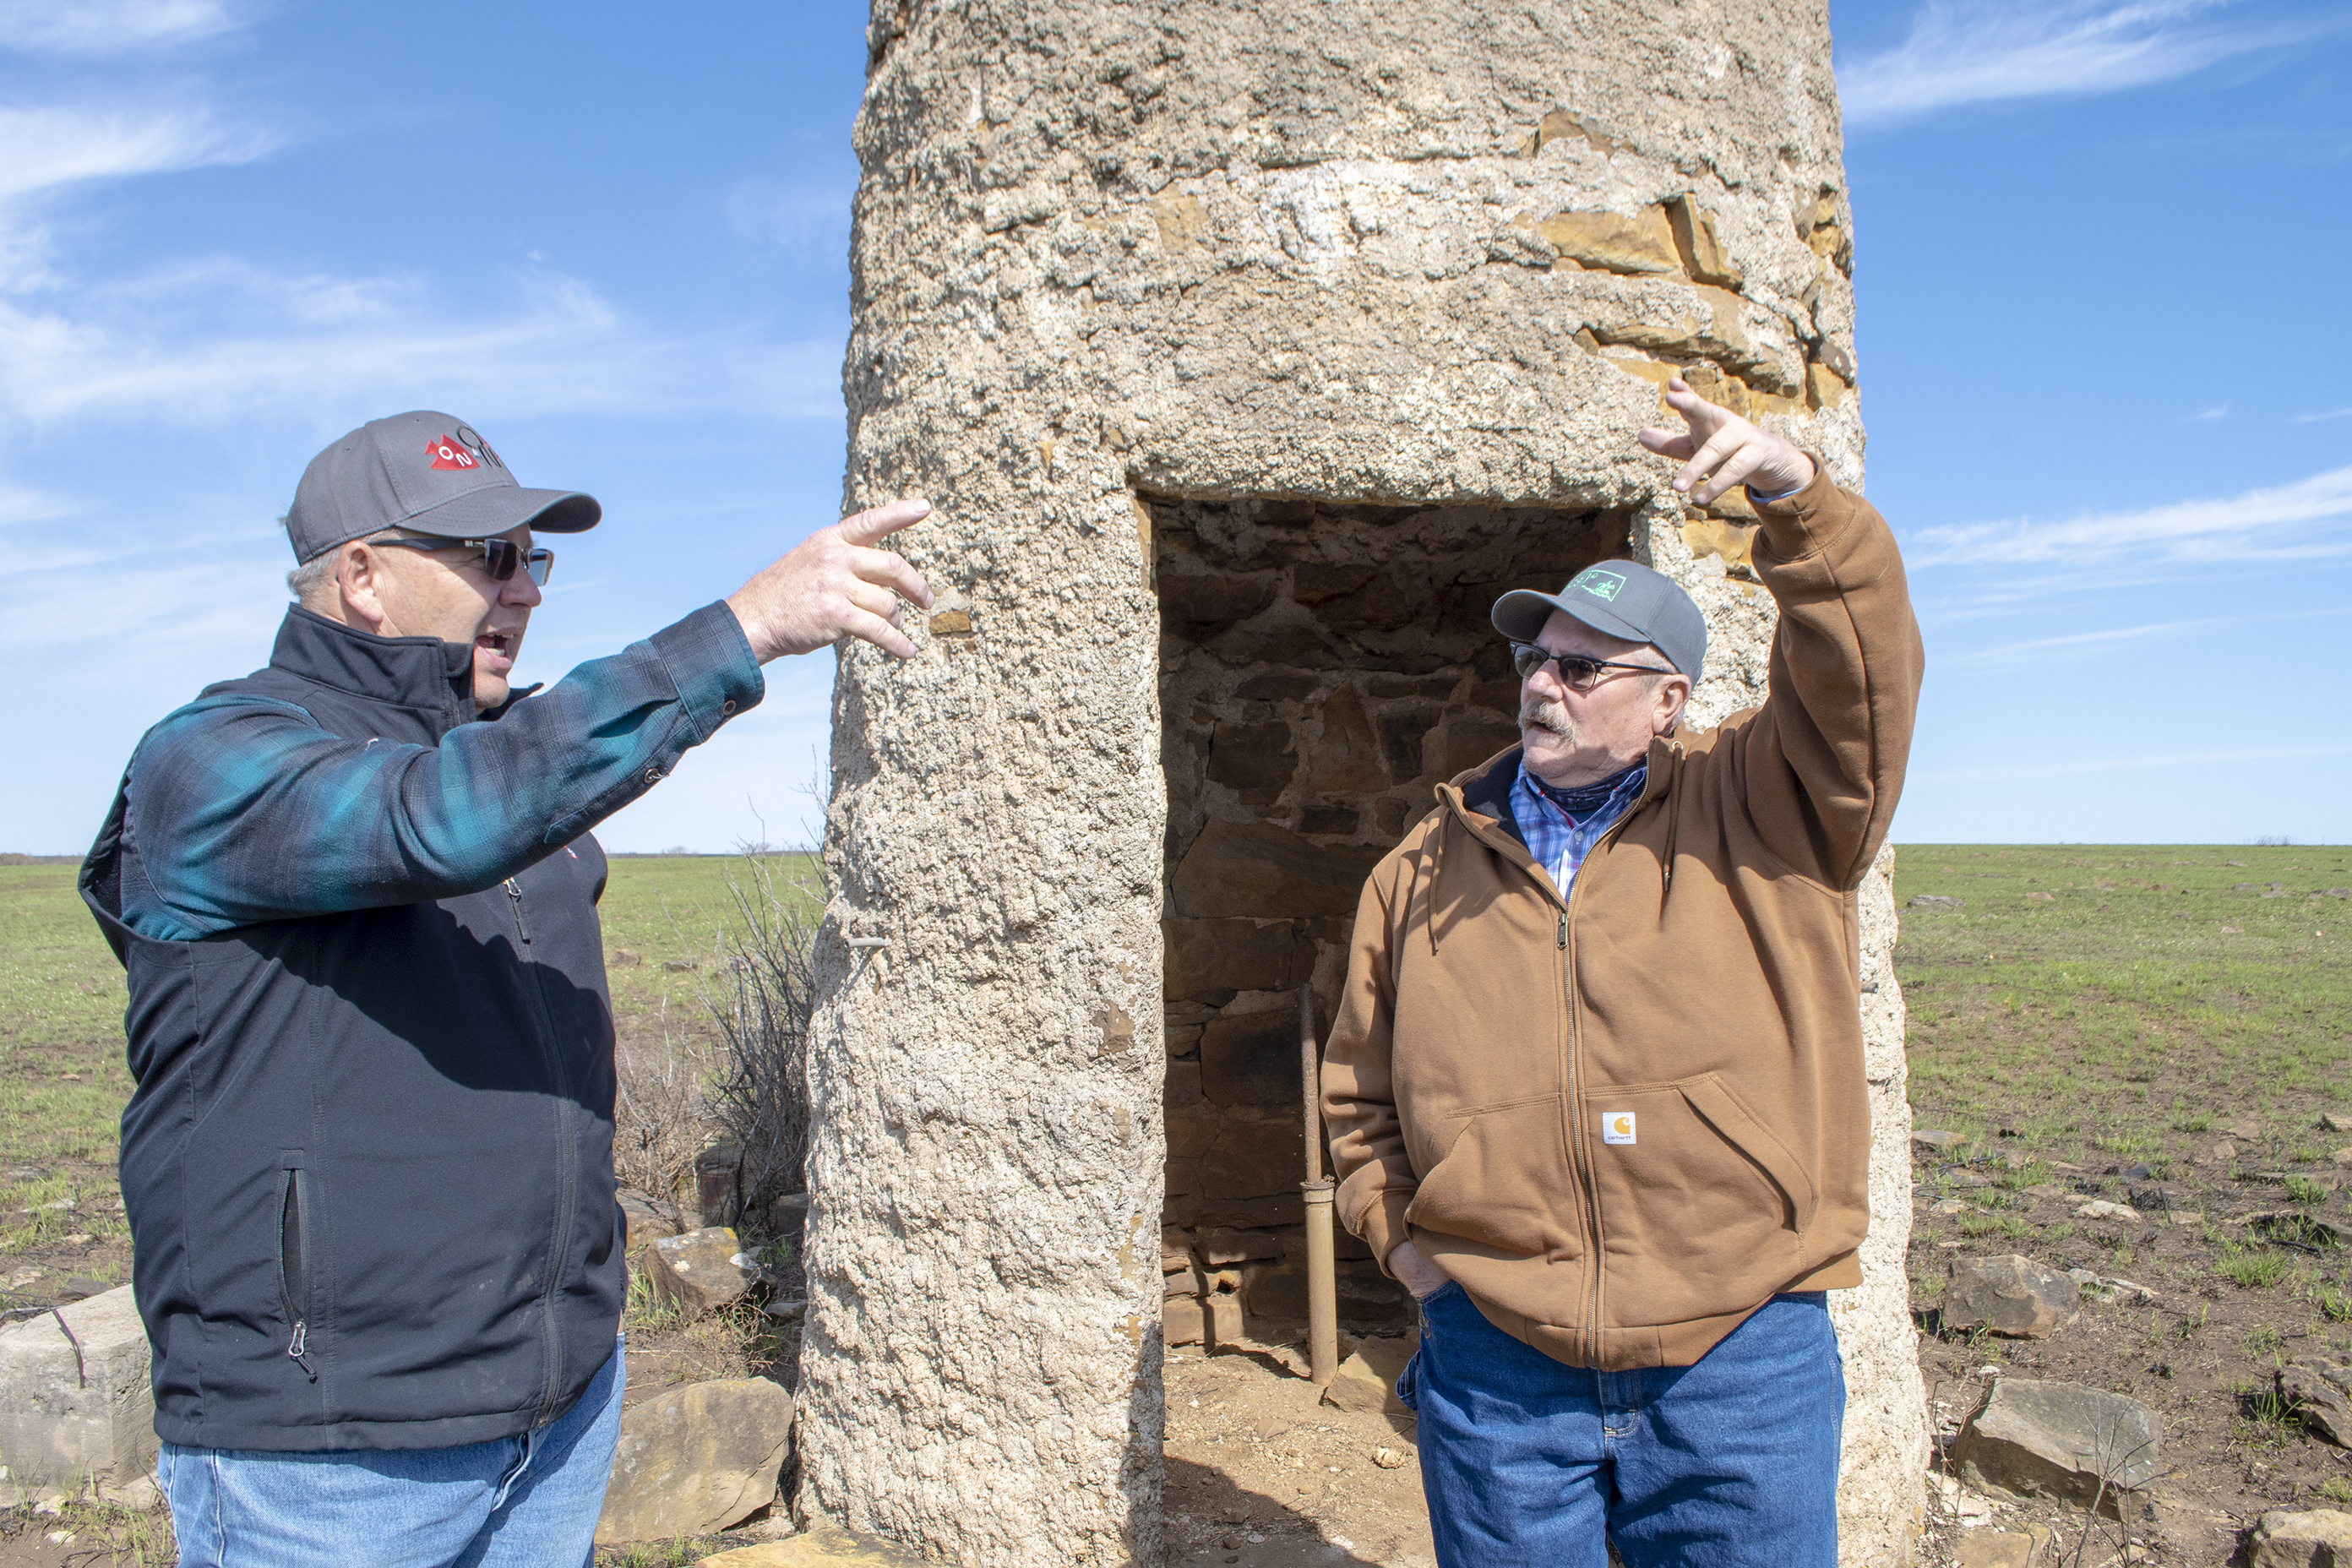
[(368, 1162)]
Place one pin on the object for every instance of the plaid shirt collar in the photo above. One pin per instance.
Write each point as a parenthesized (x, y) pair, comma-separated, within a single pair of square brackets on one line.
[(1559, 842)]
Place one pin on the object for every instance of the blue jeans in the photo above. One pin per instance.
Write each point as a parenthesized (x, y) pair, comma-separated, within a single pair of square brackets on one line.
[(1732, 1463), (525, 1502)]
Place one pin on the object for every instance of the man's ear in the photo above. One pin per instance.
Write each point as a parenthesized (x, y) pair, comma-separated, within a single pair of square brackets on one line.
[(1673, 695), (359, 588)]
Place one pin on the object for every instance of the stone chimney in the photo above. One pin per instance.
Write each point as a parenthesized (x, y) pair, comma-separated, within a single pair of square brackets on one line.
[(1248, 351)]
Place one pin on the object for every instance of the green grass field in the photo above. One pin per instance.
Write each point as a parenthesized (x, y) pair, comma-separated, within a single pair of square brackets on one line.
[(2140, 997)]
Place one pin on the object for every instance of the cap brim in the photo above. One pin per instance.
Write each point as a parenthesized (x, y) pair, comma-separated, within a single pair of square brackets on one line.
[(496, 508), (1520, 613)]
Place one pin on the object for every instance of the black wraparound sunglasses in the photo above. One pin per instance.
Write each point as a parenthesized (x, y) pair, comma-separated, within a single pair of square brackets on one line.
[(498, 558), (1577, 672)]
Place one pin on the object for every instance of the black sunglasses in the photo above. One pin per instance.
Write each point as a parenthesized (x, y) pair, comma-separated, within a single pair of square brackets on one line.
[(1577, 672), (498, 557)]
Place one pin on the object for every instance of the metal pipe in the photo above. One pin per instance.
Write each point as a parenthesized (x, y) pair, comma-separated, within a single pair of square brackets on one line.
[(1322, 1268)]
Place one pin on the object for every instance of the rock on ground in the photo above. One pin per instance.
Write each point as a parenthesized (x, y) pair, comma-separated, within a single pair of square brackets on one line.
[(1366, 1381), (698, 1460), (2317, 1538), (698, 1271), (1993, 1549), (820, 1544), (76, 1408), (2012, 1296), (2319, 1386), (2034, 1438)]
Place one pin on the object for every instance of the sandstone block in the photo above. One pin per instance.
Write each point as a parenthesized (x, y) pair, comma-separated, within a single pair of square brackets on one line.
[(1258, 870), (820, 1545), (1254, 761), (1615, 242), (2314, 1538), (1702, 253), (1183, 1320), (1234, 954), (697, 1461), (1221, 1246), (1366, 1381), (1993, 1549), (1467, 744), (1222, 1321), (67, 1416), (2012, 1296), (2321, 1387), (698, 1271), (2034, 1438), (2336, 1120), (1208, 600), (1251, 1059), (649, 1218), (1274, 1290), (1347, 757), (1934, 1139)]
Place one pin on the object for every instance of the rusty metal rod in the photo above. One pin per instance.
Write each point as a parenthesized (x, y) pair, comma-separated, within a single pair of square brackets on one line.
[(1322, 1268)]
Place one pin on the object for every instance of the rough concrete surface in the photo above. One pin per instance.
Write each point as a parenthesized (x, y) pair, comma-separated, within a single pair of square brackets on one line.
[(76, 1406), (1411, 254)]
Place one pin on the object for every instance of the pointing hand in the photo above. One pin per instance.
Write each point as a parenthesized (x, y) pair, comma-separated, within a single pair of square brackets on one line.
[(1722, 449), (833, 581)]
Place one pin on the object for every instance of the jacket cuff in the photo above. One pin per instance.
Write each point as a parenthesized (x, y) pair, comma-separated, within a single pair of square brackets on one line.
[(712, 667), (1795, 526), (1385, 1228)]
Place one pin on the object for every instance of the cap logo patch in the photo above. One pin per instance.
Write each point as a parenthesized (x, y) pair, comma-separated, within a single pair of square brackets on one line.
[(481, 447), (448, 454), (1599, 583)]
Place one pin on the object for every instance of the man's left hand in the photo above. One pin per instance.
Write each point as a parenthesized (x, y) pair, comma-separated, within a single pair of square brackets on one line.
[(1720, 449)]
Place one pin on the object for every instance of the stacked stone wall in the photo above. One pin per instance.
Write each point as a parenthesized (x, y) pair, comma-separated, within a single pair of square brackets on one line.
[(1322, 668)]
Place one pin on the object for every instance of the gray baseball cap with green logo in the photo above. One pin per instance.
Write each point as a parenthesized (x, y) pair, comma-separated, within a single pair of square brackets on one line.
[(1622, 598), (427, 472)]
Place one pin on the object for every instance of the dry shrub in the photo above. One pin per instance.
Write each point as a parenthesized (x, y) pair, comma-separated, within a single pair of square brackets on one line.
[(660, 1112), (762, 1006)]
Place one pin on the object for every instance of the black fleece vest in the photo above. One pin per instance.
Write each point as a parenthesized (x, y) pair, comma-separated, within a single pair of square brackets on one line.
[(368, 1162)]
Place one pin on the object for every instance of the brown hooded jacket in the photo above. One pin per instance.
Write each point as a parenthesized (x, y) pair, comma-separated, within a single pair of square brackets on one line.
[(1625, 1122)]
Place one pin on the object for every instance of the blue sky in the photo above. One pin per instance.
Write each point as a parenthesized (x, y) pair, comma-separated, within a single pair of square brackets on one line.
[(2102, 255)]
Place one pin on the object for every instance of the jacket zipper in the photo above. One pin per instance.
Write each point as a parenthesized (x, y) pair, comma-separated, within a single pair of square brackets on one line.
[(1579, 1143), (560, 1243), (294, 1270)]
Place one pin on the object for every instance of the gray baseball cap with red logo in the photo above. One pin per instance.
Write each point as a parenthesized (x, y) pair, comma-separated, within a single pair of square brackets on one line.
[(430, 473)]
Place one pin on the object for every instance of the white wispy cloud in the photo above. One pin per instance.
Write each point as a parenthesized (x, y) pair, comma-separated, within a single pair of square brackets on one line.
[(1979, 53), (2301, 520), (57, 145), (109, 26), (2315, 419), (2218, 411), (2076, 645)]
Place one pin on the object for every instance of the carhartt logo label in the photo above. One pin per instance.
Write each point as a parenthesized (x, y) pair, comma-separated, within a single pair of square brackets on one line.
[(1617, 1127), (1601, 585), (447, 454)]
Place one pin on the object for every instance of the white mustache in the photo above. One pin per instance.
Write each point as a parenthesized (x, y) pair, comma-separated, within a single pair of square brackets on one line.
[(1545, 715)]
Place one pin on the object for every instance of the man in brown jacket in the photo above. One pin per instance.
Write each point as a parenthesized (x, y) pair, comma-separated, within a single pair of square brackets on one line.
[(1596, 1085)]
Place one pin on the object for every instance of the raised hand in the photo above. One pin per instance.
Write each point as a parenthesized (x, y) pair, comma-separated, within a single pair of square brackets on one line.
[(1722, 449), (833, 581)]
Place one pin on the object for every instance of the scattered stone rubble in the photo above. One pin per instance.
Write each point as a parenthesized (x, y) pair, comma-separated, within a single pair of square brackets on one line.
[(2013, 1297), (2317, 1538), (697, 1461), (2048, 1439)]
